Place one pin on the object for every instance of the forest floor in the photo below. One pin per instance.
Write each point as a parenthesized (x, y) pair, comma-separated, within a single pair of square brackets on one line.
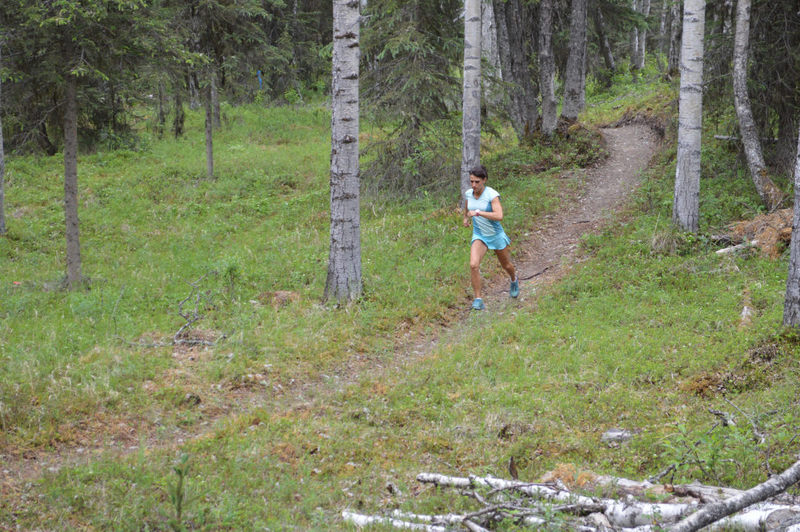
[(592, 197)]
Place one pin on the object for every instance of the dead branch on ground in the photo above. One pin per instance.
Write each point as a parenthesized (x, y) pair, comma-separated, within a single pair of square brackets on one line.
[(682, 508)]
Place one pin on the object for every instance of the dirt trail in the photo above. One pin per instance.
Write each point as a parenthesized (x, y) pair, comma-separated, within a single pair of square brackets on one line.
[(548, 252), (543, 257)]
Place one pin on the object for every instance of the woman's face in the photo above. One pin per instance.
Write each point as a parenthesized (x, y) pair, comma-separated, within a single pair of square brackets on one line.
[(477, 184)]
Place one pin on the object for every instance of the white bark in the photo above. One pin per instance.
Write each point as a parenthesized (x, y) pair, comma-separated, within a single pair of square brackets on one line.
[(634, 41), (686, 203), (769, 193), (619, 514), (366, 520), (791, 306), (471, 116), (712, 513), (576, 63), (644, 8), (547, 68), (71, 182), (344, 263)]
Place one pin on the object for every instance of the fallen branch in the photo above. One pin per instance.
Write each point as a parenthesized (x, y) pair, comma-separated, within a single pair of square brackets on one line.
[(716, 511), (534, 505)]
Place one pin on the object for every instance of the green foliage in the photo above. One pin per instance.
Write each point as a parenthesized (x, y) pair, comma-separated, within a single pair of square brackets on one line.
[(304, 411), (411, 52)]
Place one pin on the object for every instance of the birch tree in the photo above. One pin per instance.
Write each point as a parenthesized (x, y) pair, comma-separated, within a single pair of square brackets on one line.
[(686, 202), (344, 263), (574, 77), (547, 68), (471, 102), (769, 193), (644, 9), (791, 305)]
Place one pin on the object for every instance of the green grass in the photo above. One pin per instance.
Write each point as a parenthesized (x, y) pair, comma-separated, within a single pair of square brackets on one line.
[(639, 336)]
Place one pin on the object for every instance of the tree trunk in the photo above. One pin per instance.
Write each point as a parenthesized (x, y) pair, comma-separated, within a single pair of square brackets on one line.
[(471, 116), (605, 47), (180, 115), (712, 513), (514, 34), (194, 91), (209, 112), (575, 75), (2, 162), (547, 68), (490, 52), (786, 148), (791, 306), (634, 44), (71, 182), (344, 264), (644, 9), (769, 193), (663, 38), (686, 203), (215, 102), (162, 112), (674, 54)]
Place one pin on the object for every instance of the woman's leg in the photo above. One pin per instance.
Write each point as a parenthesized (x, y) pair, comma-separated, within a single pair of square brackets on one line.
[(504, 256), (476, 253)]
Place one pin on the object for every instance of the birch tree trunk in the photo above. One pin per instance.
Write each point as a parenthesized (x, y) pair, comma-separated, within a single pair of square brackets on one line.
[(634, 43), (513, 32), (769, 193), (344, 283), (471, 104), (605, 46), (712, 513), (674, 54), (575, 71), (547, 68), (2, 160), (207, 103), (71, 182), (644, 9), (791, 305), (686, 202)]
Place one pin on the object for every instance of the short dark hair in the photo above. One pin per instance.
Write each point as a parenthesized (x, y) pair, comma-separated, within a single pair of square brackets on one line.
[(479, 171)]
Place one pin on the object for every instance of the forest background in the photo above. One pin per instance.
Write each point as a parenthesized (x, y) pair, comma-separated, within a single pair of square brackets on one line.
[(190, 378)]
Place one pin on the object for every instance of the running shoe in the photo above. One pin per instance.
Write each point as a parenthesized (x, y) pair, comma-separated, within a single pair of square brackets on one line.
[(478, 304), (514, 290)]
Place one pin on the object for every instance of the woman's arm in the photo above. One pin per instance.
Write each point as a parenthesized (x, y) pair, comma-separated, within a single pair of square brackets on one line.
[(495, 214), (466, 215)]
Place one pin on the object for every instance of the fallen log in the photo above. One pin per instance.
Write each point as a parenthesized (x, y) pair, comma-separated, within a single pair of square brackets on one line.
[(719, 510)]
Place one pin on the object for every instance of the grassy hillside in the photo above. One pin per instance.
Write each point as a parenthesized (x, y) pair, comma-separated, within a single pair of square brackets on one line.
[(299, 410)]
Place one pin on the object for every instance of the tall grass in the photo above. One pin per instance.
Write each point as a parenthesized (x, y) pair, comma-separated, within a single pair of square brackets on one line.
[(640, 336)]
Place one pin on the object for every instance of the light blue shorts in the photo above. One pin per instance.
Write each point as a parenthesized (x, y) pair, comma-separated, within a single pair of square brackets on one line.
[(497, 241)]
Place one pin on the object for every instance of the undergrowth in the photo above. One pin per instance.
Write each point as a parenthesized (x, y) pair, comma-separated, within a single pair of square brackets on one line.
[(644, 334)]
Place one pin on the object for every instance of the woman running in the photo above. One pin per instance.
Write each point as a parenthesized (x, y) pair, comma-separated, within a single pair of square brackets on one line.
[(482, 204)]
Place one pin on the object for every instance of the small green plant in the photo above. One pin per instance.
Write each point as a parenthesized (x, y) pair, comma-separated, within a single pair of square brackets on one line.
[(177, 491)]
